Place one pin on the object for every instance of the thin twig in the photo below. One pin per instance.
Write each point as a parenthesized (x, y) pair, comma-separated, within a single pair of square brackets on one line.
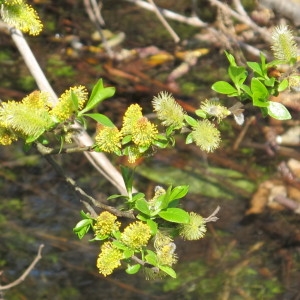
[(213, 217), (243, 18), (27, 271), (164, 22), (242, 134), (50, 151), (71, 182), (90, 209), (193, 21), (93, 11)]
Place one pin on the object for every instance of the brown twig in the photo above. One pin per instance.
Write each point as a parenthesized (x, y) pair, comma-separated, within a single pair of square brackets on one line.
[(242, 17), (82, 193), (164, 22), (193, 21), (93, 11), (26, 272), (242, 134), (50, 151), (288, 203)]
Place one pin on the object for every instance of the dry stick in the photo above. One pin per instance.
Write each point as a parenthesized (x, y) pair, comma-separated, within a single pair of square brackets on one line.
[(193, 21), (243, 133), (27, 271), (98, 160), (243, 18), (93, 12), (82, 193), (164, 22)]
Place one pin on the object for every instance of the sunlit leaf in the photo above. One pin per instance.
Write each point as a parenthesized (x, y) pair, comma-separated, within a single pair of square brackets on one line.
[(99, 93), (278, 111), (224, 87), (133, 269), (175, 215), (168, 270), (102, 119), (142, 206)]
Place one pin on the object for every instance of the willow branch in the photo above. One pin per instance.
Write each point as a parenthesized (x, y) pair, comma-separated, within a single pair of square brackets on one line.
[(51, 151), (71, 182), (27, 271), (97, 159)]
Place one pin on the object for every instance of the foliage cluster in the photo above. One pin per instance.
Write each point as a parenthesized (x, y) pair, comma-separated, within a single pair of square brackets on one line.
[(147, 242)]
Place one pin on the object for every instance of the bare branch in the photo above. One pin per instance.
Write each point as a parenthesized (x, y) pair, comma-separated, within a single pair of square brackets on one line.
[(93, 11), (193, 21), (242, 17), (71, 182), (174, 35), (27, 271)]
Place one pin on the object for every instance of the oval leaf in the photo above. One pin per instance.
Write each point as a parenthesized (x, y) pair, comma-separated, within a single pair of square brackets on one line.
[(278, 111), (142, 206), (175, 215), (133, 269), (102, 119), (168, 270), (178, 192), (224, 87)]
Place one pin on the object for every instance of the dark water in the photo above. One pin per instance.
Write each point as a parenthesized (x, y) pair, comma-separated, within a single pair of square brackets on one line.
[(240, 258)]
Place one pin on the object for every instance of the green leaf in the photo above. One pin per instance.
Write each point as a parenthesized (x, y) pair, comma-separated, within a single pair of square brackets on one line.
[(161, 143), (247, 90), (278, 111), (256, 67), (133, 269), (85, 215), (138, 196), (142, 206), (116, 196), (126, 139), (178, 192), (82, 227), (260, 93), (99, 93), (128, 174), (189, 139), (74, 100), (270, 82), (120, 245), (224, 87), (175, 215), (191, 121), (160, 203), (237, 74), (200, 113), (153, 226), (128, 253), (283, 85), (102, 119), (151, 258), (168, 270), (230, 58)]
